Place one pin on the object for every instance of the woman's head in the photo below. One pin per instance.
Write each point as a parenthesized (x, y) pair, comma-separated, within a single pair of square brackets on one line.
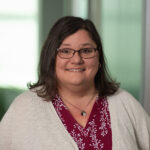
[(77, 62), (62, 29)]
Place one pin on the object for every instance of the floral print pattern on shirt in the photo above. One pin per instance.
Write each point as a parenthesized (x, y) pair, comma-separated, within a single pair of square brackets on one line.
[(97, 134)]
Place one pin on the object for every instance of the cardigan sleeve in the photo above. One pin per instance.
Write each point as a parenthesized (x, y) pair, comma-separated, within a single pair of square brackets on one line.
[(6, 130), (129, 121), (142, 126), (140, 120), (8, 122)]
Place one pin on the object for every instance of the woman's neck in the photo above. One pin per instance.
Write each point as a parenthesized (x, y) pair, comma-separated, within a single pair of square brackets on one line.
[(77, 95)]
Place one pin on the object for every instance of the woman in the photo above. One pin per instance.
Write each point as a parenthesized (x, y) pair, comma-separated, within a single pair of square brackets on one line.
[(75, 104)]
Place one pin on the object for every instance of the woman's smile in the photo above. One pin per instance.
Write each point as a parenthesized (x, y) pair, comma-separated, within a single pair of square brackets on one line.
[(75, 69)]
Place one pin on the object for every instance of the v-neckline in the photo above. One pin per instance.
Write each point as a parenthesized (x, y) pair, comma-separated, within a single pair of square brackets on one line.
[(97, 129), (74, 121)]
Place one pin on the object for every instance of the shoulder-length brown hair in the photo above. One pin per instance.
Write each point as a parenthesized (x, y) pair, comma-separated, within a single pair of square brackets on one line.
[(46, 76)]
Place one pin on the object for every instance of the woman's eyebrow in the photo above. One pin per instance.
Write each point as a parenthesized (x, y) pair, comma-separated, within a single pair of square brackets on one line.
[(84, 44), (65, 44), (87, 44)]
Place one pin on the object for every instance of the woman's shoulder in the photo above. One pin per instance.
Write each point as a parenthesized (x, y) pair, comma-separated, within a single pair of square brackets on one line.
[(122, 96), (25, 101), (27, 95), (120, 92), (122, 103)]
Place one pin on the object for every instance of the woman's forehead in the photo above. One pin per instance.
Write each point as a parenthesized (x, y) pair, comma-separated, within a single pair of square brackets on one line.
[(80, 38)]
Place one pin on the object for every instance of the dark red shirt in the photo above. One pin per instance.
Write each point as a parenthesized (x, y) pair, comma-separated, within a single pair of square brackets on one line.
[(97, 134)]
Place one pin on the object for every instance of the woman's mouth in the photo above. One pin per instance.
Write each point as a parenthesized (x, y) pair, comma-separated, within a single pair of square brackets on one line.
[(76, 69)]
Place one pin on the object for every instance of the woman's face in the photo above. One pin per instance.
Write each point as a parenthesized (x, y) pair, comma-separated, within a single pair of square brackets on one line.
[(77, 70)]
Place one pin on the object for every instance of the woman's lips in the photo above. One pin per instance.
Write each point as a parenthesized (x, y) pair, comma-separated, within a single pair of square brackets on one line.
[(76, 69)]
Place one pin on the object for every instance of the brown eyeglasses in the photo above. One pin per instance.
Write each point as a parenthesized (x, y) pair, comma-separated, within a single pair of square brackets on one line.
[(67, 53)]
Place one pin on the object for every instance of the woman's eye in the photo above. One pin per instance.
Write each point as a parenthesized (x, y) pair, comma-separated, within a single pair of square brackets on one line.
[(87, 50), (65, 51)]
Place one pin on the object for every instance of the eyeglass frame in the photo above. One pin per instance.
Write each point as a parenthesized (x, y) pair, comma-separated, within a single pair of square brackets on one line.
[(78, 51)]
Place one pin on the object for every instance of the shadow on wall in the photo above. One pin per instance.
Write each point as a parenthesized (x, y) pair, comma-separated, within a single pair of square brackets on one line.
[(7, 95)]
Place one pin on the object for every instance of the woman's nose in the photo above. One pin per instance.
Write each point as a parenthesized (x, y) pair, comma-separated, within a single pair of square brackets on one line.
[(76, 58)]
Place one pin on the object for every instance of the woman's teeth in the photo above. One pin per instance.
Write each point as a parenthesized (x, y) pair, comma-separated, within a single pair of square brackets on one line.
[(75, 70)]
